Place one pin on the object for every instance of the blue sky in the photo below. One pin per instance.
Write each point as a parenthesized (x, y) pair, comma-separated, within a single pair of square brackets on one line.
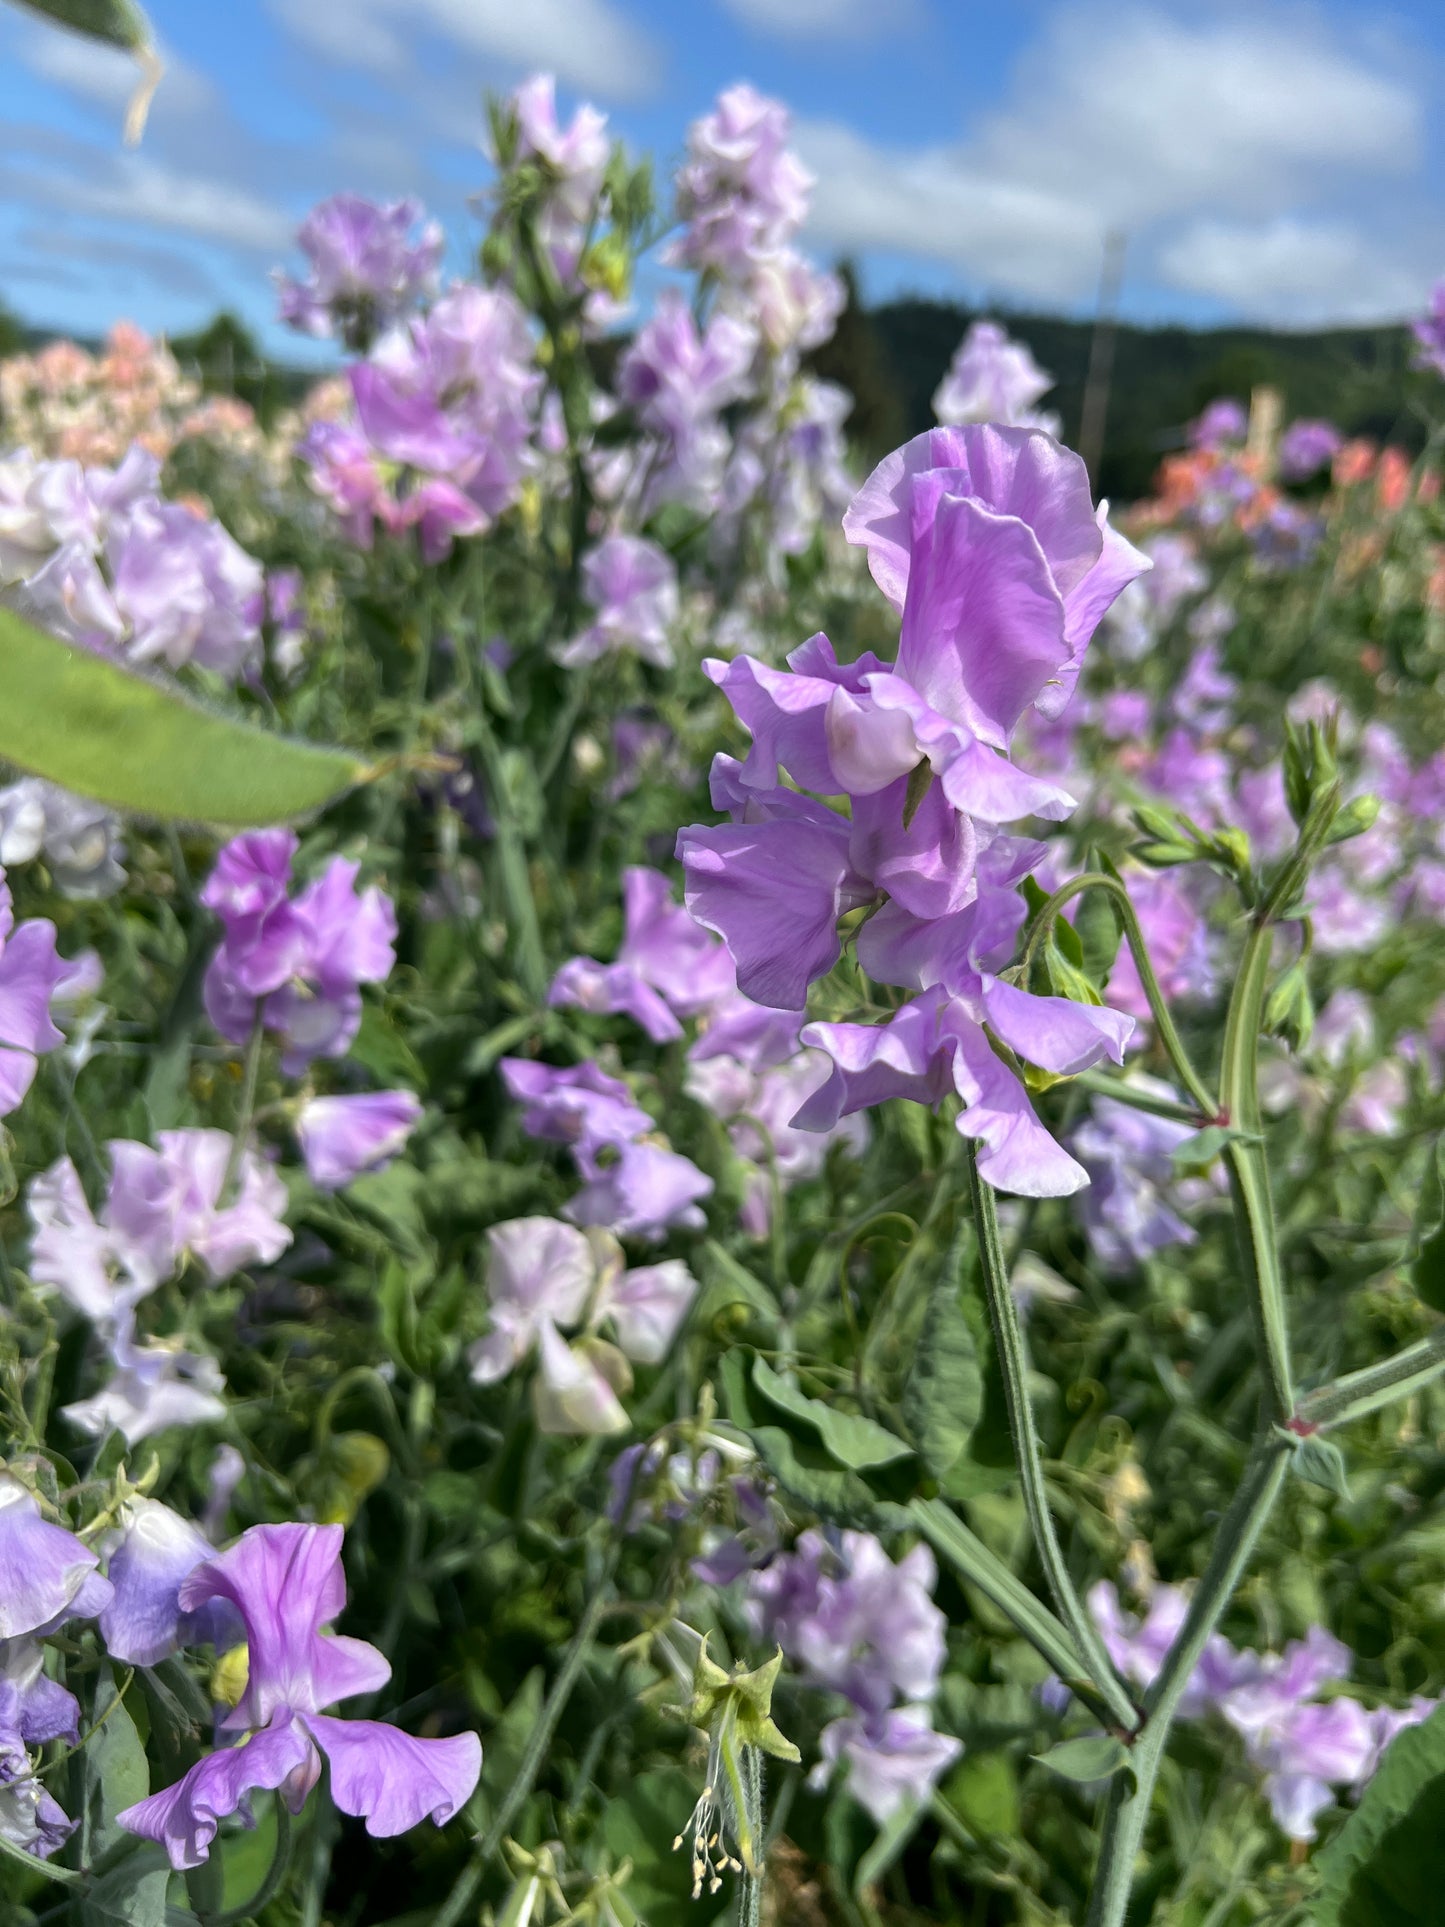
[(1268, 161)]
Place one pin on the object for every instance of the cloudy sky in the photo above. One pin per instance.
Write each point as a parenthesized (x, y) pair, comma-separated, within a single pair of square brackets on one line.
[(1266, 161)]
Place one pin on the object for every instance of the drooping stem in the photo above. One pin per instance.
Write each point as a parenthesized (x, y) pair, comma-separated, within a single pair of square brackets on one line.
[(1131, 1791), (1164, 1026), (275, 1874), (455, 1906), (1013, 1360)]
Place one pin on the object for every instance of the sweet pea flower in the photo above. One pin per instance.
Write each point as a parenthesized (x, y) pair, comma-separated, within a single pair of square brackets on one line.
[(366, 269), (892, 1759), (581, 1107), (991, 379), (30, 974), (540, 1272), (741, 191), (286, 1584), (632, 586), (1222, 422), (1429, 332), (1127, 1210), (343, 1138), (31, 1819), (1306, 447), (149, 1556), (648, 1191), (678, 381), (301, 958), (46, 1575), (668, 966), (156, 1383)]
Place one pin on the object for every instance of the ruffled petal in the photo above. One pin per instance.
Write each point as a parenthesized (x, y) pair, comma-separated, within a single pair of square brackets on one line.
[(183, 1818), (392, 1781)]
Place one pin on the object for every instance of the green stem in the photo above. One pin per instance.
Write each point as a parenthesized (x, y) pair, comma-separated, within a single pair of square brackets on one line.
[(1013, 1360), (1102, 1084), (1248, 1169), (1359, 1393), (275, 1874), (980, 1566), (528, 956), (246, 1108), (459, 1899), (1164, 1027), (1131, 1790)]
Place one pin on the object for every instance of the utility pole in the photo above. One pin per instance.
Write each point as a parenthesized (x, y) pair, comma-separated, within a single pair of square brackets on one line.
[(1095, 412)]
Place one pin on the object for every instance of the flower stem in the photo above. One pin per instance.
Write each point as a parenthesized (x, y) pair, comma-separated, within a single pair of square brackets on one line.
[(1164, 1027), (1248, 1169), (1131, 1790), (1359, 1393), (528, 957), (275, 1874), (1013, 1359)]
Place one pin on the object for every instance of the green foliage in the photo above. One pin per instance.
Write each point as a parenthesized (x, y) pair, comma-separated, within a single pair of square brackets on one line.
[(79, 719), (1384, 1867)]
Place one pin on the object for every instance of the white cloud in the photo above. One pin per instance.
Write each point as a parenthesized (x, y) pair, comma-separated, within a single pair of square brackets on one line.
[(135, 189), (1140, 119), (1296, 270), (588, 44), (824, 19)]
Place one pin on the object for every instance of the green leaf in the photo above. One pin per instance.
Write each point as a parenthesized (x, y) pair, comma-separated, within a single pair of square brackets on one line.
[(943, 1394), (90, 725), (1095, 1756), (1196, 1153), (855, 1442), (983, 1790), (893, 1837), (1386, 1865), (1319, 1461), (380, 1048), (133, 1894), (116, 1771), (118, 22), (46, 1869), (808, 1475), (725, 1283), (1101, 930)]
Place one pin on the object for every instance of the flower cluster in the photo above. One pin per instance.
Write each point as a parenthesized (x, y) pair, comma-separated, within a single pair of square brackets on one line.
[(861, 1627), (31, 975), (282, 1585), (987, 542), (64, 402), (165, 1208), (1303, 1745), (993, 379), (366, 269), (636, 1186), (293, 962), (101, 558), (51, 1578), (545, 1278), (746, 1065), (440, 436)]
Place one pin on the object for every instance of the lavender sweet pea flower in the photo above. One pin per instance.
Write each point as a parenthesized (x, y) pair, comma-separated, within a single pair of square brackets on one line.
[(1429, 332), (33, 1705), (1019, 569), (31, 1819), (1303, 1752), (668, 966), (1306, 447), (679, 381), (647, 1192), (1222, 422), (741, 192), (632, 586), (46, 1574), (1127, 1210), (892, 1758), (575, 157), (647, 1307), (286, 1584), (991, 379), (581, 1107), (936, 1045), (539, 1272), (344, 1137), (30, 973), (366, 269), (187, 591), (157, 1383), (149, 1557), (166, 1203)]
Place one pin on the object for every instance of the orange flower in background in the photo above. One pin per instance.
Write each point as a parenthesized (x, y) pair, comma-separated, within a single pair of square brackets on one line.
[(1392, 480), (1435, 587), (1354, 463)]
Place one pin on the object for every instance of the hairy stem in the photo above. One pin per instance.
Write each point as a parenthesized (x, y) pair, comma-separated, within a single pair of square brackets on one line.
[(1013, 1359), (1359, 1393), (1132, 1789)]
